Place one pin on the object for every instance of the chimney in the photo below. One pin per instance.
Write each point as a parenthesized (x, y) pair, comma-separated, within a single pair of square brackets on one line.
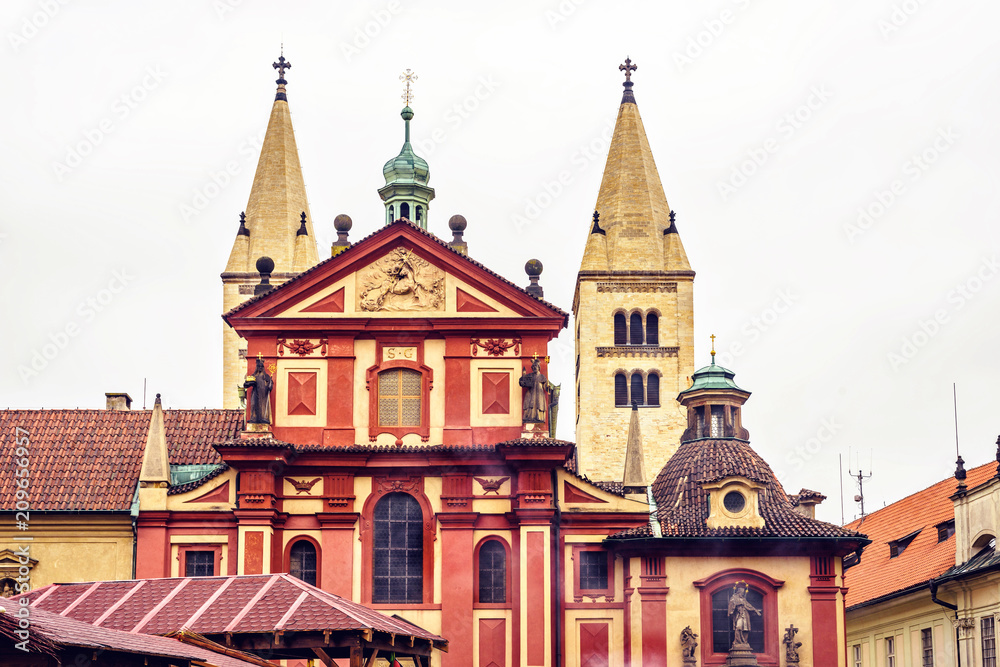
[(118, 402)]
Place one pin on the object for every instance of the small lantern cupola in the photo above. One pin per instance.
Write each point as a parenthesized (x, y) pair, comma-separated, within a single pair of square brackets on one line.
[(713, 403), (406, 193)]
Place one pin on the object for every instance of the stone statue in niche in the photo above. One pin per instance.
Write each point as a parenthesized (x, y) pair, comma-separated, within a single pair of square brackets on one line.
[(791, 646), (259, 403), (739, 612), (400, 281), (689, 642), (535, 401)]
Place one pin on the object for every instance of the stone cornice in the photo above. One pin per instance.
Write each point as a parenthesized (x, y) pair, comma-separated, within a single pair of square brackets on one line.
[(636, 351)]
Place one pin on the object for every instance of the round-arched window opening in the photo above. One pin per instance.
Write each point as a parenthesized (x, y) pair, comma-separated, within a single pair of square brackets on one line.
[(734, 502)]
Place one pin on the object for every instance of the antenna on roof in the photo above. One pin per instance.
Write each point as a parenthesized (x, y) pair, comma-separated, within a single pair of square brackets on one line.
[(840, 462), (959, 463), (143, 393), (860, 478)]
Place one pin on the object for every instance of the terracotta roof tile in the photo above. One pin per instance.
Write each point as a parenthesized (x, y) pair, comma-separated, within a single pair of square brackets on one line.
[(878, 575), (89, 460)]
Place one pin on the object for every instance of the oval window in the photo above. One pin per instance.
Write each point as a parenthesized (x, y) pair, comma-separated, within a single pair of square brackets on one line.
[(734, 502)]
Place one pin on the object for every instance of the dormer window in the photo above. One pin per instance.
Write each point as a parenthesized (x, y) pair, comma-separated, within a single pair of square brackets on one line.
[(734, 503), (945, 530), (897, 547)]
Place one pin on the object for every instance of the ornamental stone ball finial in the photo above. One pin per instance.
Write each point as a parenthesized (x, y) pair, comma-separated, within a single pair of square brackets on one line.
[(533, 268)]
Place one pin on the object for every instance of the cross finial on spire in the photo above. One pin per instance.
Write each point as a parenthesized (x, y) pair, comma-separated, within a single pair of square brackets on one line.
[(628, 68), (281, 66), (713, 347), (408, 77)]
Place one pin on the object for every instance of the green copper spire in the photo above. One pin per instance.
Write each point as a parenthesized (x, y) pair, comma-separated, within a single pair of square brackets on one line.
[(406, 193)]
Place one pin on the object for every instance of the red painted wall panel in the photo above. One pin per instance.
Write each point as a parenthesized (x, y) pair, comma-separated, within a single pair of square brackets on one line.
[(594, 646), (535, 603), (492, 642), (456, 596), (253, 557)]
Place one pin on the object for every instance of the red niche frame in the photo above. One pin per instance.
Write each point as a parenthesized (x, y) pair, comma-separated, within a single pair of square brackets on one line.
[(286, 558), (426, 384), (382, 486), (509, 592), (767, 586)]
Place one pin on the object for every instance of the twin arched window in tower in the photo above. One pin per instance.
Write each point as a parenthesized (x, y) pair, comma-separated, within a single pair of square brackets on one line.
[(630, 330), (640, 387), (404, 212)]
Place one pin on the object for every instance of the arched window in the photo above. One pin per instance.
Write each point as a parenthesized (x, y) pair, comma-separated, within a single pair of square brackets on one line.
[(621, 330), (399, 396), (652, 329), (397, 550), (492, 573), (637, 393), (621, 390), (722, 628), (302, 561), (404, 210), (392, 213), (653, 389), (420, 213), (635, 329)]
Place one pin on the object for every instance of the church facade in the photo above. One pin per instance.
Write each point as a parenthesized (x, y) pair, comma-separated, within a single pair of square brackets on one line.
[(397, 445)]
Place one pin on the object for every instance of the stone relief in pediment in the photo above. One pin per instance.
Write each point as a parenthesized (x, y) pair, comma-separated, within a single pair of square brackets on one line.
[(400, 282)]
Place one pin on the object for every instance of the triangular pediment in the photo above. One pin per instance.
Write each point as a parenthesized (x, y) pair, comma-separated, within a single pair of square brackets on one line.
[(398, 272)]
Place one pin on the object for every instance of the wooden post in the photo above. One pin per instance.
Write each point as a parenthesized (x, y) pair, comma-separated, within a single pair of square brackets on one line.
[(357, 655)]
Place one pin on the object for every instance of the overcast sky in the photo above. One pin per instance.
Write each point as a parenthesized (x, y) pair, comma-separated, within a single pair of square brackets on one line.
[(833, 166)]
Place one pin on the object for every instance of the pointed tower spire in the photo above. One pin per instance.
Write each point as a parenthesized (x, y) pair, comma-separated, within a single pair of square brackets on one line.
[(634, 479), (406, 193), (155, 470), (273, 226), (633, 273)]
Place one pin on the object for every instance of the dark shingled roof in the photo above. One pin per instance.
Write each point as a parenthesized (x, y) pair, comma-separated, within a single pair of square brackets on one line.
[(195, 483), (381, 230), (682, 503)]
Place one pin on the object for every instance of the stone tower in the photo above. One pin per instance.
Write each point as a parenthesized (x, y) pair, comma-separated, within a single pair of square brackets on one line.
[(277, 224), (633, 311), (406, 193)]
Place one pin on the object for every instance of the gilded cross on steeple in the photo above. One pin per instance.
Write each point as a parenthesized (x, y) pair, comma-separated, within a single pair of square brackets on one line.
[(628, 67), (713, 347), (407, 77)]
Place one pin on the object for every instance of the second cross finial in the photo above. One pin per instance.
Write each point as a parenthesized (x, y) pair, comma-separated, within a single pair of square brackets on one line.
[(628, 68), (407, 77)]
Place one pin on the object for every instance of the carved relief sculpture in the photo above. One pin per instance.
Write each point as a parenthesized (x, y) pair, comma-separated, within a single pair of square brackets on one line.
[(689, 642), (401, 282), (259, 404), (791, 646), (535, 401)]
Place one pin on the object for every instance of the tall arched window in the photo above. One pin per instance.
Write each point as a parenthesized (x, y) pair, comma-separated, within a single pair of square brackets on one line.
[(621, 390), (722, 626), (652, 329), (420, 213), (635, 329), (653, 389), (404, 210), (302, 562), (397, 550), (621, 329), (392, 213), (637, 393), (492, 573)]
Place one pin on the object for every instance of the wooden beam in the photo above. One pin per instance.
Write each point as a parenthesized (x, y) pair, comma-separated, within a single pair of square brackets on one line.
[(357, 656), (323, 656), (371, 659)]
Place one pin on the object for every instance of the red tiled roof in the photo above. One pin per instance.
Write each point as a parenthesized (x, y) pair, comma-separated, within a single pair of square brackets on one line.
[(216, 605), (69, 632), (89, 460), (878, 575)]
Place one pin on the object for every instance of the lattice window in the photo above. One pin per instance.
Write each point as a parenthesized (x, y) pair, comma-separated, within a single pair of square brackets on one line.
[(652, 329), (722, 627), (492, 573), (857, 655), (653, 389), (890, 652), (199, 564), (989, 641), (302, 562), (593, 570), (398, 550), (621, 390), (399, 396), (635, 329), (927, 647), (621, 330), (717, 418)]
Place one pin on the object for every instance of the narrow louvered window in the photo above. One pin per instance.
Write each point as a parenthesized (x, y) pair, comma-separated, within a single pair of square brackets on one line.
[(890, 652), (392, 212), (621, 390), (492, 573), (399, 397), (398, 550), (637, 393), (927, 647), (653, 389), (989, 642), (621, 330), (652, 329), (635, 329), (302, 562), (857, 655), (199, 564)]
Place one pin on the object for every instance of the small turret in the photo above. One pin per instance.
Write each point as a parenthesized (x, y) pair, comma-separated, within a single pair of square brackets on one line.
[(713, 403), (406, 193)]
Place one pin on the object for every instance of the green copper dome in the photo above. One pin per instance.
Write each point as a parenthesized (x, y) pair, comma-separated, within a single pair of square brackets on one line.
[(712, 377), (407, 167)]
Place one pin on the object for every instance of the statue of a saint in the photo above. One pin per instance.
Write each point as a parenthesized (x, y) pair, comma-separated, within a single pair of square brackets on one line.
[(535, 402), (688, 644), (259, 405), (739, 611)]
